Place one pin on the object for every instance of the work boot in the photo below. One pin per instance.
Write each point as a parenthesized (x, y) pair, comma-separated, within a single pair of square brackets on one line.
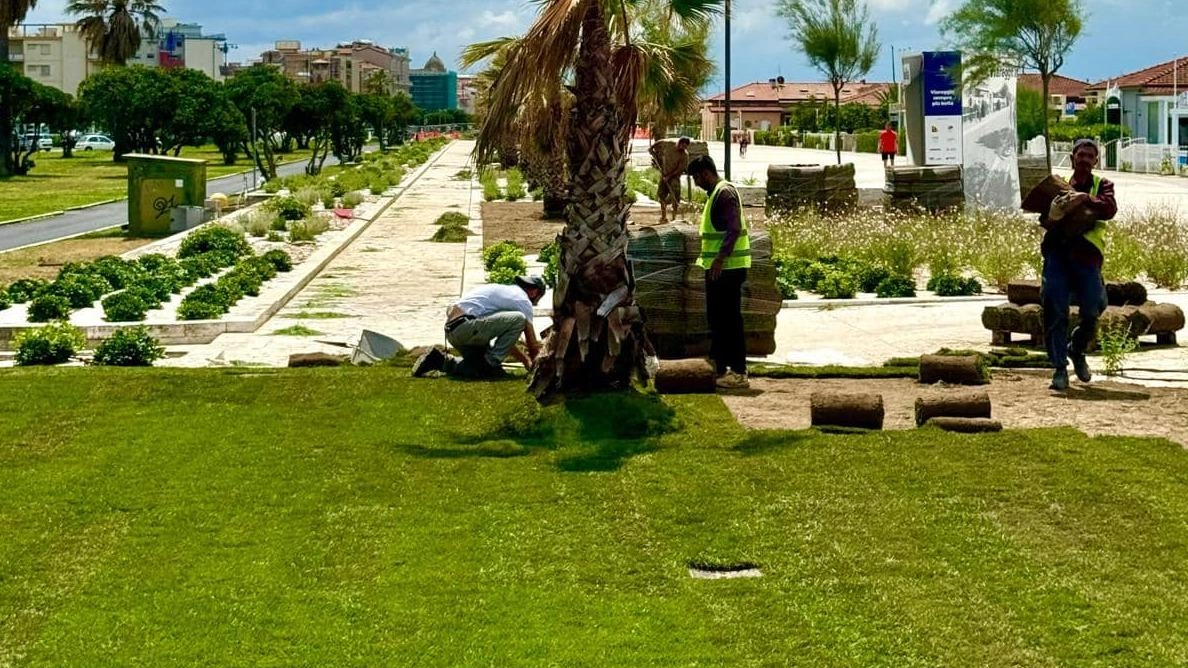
[(433, 360), (732, 381), (1080, 366), (1059, 380)]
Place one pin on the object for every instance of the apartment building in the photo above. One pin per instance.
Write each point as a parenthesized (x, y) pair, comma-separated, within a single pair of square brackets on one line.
[(434, 87), (56, 54), (352, 64)]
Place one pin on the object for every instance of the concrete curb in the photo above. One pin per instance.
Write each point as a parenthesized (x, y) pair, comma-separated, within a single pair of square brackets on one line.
[(196, 332), (95, 204), (888, 301), (29, 219)]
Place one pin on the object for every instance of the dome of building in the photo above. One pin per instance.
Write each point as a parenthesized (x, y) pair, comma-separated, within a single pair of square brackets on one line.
[(434, 64)]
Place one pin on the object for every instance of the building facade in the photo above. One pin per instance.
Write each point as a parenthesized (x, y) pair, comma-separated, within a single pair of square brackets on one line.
[(763, 105), (1152, 103), (433, 87), (56, 54), (1066, 96), (356, 65)]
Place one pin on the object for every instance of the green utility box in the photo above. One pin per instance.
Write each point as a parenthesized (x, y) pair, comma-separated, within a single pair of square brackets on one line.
[(157, 184)]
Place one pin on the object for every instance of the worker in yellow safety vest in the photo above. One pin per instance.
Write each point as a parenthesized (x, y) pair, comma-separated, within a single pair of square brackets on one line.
[(1073, 257), (725, 256)]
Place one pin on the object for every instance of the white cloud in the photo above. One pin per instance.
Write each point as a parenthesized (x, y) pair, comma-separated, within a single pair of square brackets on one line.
[(938, 10), (505, 18)]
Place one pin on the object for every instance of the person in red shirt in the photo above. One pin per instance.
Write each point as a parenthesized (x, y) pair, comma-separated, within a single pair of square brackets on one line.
[(888, 145)]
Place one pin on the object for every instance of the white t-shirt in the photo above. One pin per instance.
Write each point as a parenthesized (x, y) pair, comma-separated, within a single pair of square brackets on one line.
[(492, 298)]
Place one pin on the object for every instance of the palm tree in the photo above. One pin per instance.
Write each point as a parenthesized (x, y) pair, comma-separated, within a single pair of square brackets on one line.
[(597, 339), (113, 28), (12, 12)]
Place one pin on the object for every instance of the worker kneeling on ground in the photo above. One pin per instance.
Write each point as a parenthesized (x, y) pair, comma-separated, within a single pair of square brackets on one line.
[(484, 326)]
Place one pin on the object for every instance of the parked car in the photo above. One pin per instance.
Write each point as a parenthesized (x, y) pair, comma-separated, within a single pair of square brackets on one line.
[(95, 143), (42, 142)]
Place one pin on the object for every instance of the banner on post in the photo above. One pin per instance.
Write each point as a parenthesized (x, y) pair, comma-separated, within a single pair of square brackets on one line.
[(942, 108)]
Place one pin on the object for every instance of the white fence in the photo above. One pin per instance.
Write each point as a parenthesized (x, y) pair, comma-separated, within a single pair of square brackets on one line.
[(1136, 155)]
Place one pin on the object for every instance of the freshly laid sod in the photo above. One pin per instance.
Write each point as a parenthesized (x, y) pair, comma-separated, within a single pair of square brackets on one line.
[(357, 517), (56, 183)]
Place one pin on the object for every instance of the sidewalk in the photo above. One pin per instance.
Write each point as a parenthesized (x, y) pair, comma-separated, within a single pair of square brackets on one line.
[(395, 282)]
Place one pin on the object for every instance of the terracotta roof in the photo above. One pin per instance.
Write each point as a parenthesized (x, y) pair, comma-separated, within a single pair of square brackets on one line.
[(1059, 85), (1161, 77), (794, 92)]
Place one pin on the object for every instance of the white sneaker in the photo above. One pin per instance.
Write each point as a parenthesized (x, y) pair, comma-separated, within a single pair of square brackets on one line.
[(733, 381)]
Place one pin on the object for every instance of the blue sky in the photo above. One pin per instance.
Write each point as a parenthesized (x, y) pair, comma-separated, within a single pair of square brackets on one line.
[(1120, 36)]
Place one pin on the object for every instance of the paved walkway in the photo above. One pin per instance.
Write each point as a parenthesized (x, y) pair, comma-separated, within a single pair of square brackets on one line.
[(395, 282)]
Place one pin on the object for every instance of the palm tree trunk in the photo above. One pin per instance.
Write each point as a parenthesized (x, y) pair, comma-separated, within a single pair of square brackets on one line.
[(554, 185), (586, 350)]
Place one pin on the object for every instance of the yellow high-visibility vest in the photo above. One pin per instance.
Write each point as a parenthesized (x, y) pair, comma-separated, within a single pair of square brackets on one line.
[(711, 239)]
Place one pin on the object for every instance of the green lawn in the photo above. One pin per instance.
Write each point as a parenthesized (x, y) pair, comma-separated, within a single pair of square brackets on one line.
[(91, 176), (357, 517)]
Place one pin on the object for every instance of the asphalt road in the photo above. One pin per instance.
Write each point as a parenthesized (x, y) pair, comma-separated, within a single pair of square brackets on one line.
[(115, 213)]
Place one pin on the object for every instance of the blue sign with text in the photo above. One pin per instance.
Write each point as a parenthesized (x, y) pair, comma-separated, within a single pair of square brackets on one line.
[(942, 71)]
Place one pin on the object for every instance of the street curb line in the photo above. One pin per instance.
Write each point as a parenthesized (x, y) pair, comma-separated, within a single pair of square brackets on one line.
[(887, 301), (198, 332), (29, 219)]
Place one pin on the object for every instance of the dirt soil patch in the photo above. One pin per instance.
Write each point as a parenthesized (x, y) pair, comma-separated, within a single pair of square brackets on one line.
[(1020, 400), (522, 222), (46, 260)]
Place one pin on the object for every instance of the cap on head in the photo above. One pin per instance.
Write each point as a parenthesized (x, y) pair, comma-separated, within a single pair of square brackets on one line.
[(532, 282), (683, 141), (1083, 142)]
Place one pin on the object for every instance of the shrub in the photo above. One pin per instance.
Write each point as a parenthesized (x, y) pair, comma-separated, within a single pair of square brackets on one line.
[(491, 190), (5, 301), (131, 346), (206, 302), (1125, 255), (337, 188), (308, 196), (257, 223), (1162, 235), (124, 306), (837, 285), (214, 238), (275, 237), (947, 285), (120, 273), (452, 218), (394, 175), (503, 275), (328, 200), (551, 256), (24, 289), (288, 208), (257, 266), (896, 286), (199, 266), (272, 186), (48, 306), (80, 290), (52, 344), (493, 255), (308, 229), (237, 284), (1116, 343), (279, 259), (377, 187), (515, 185), (352, 199)]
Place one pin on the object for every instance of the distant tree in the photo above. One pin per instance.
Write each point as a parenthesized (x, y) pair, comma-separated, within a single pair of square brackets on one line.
[(134, 104), (1093, 114), (378, 82), (57, 110), (839, 39), (114, 28), (678, 64), (17, 91), (378, 111), (271, 96), (404, 113), (1029, 114), (1034, 34), (348, 132), (12, 12)]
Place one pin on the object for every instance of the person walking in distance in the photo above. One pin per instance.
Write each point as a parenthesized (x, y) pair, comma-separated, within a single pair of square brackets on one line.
[(1074, 251), (888, 145), (484, 326), (672, 163), (725, 256), (744, 140)]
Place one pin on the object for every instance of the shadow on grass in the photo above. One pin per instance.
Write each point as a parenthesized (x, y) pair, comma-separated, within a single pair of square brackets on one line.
[(599, 432), (762, 442)]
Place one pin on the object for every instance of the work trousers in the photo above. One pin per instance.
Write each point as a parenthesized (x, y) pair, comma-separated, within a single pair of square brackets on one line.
[(484, 343), (723, 310), (1065, 277)]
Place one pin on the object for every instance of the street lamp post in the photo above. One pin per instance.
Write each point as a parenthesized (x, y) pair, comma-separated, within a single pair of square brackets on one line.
[(727, 132)]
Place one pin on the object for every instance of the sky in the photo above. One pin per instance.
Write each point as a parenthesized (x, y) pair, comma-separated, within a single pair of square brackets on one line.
[(1120, 36)]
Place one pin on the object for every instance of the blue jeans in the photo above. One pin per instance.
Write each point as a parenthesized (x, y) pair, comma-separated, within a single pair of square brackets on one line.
[(1063, 278)]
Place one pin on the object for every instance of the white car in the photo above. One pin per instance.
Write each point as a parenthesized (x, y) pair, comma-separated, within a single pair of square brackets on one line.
[(95, 143)]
